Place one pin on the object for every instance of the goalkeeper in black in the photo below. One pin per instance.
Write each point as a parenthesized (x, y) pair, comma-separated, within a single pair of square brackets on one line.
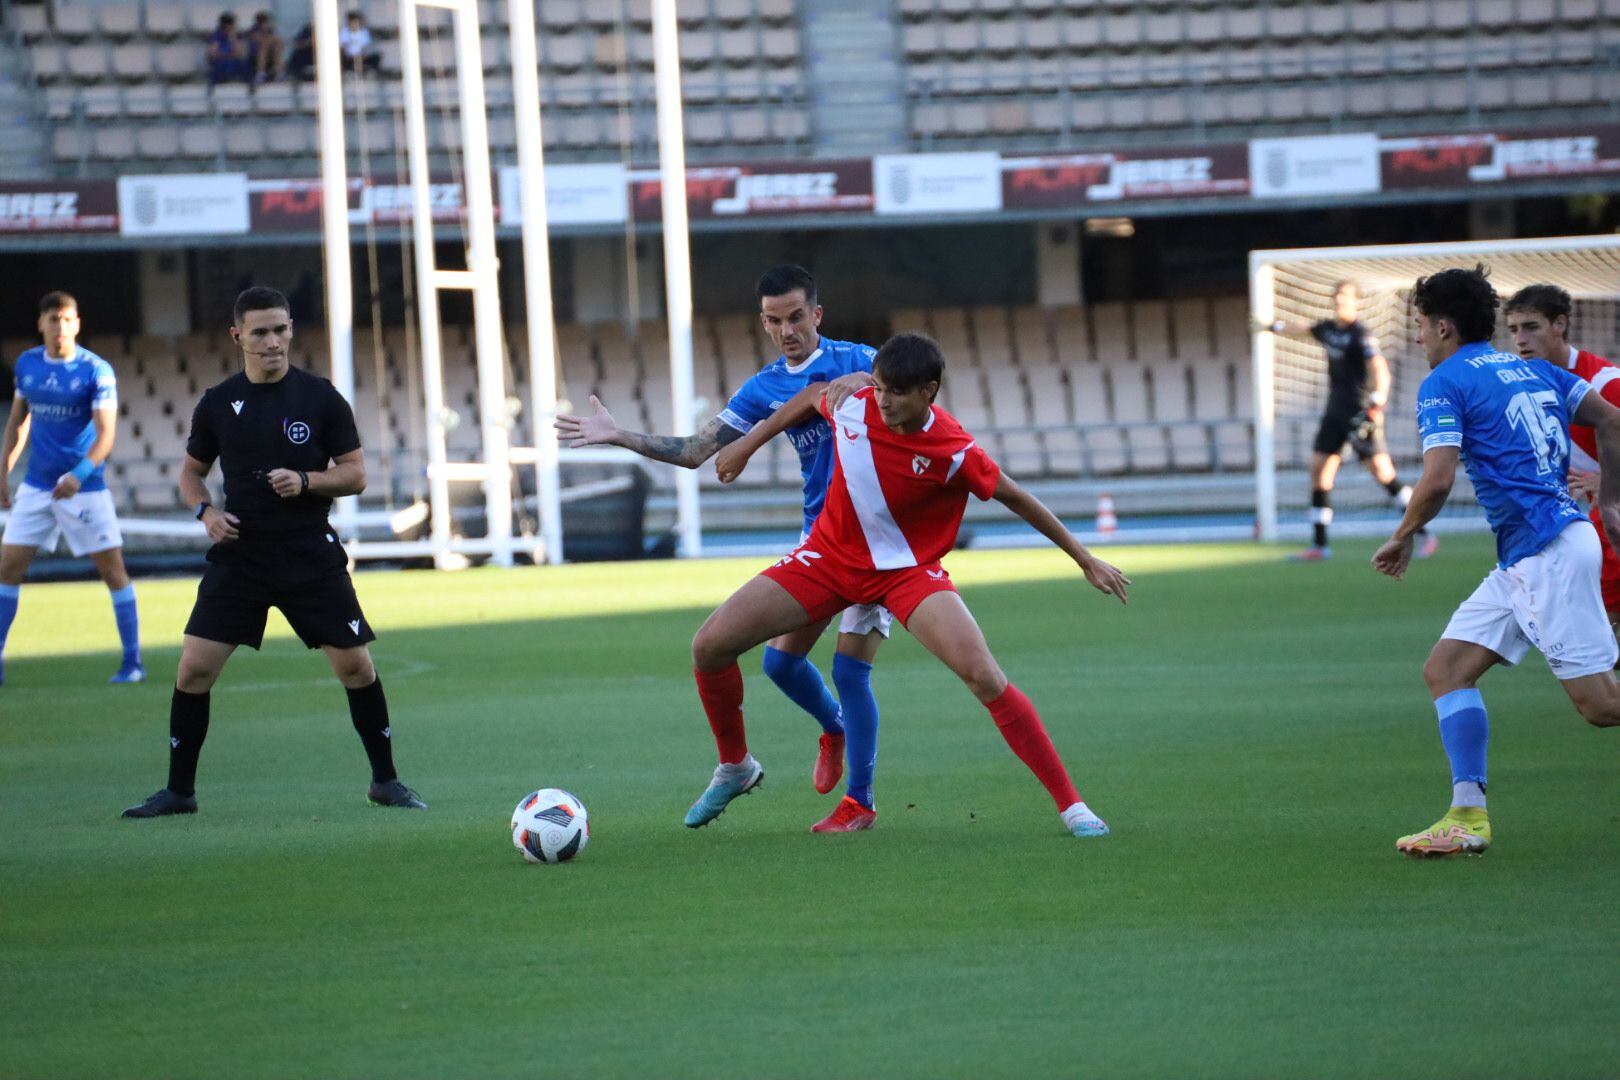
[(287, 446), (1358, 391)]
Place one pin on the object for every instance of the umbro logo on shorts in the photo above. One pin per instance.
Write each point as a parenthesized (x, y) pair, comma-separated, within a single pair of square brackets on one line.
[(236, 407), (354, 624)]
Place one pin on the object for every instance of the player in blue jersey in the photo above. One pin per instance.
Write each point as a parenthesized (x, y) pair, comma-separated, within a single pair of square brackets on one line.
[(792, 317), (1507, 418), (68, 398)]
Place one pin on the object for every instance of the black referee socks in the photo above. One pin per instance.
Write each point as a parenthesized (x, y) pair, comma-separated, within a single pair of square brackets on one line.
[(368, 708), (188, 727)]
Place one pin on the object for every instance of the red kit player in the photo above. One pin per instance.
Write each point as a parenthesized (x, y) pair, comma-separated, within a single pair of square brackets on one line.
[(1538, 320), (904, 471)]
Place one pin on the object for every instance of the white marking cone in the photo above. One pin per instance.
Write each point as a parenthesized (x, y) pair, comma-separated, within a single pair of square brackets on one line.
[(1107, 523)]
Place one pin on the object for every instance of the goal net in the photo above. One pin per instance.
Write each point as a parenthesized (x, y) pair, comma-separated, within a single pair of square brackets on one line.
[(1290, 375)]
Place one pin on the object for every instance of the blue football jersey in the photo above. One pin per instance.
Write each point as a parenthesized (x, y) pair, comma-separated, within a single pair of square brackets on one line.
[(1510, 418), (62, 397), (778, 381)]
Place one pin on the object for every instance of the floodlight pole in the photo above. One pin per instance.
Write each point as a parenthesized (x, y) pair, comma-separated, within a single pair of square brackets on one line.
[(335, 221), (427, 301), (677, 258), (537, 278), (480, 278)]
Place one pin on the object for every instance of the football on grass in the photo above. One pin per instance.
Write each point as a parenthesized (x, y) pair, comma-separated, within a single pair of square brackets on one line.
[(549, 826)]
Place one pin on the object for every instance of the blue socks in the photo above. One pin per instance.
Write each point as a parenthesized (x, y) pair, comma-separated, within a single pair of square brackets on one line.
[(1464, 730), (8, 612), (854, 681), (129, 624), (798, 678)]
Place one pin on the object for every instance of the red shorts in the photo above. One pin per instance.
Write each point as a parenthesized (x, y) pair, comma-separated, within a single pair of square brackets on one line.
[(825, 586)]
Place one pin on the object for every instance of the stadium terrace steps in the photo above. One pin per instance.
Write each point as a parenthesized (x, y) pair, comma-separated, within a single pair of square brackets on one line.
[(853, 117), (24, 147)]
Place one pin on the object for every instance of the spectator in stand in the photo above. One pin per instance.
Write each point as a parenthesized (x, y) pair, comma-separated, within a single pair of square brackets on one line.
[(228, 59), (301, 62), (267, 48), (359, 54)]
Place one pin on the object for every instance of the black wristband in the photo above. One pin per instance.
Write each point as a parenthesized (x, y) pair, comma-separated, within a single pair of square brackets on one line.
[(202, 508), (303, 476)]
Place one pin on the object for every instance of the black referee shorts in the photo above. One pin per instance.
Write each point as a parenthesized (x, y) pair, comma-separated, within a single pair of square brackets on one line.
[(1364, 433), (306, 577)]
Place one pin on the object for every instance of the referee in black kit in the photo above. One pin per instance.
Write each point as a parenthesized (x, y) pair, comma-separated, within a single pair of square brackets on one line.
[(287, 446)]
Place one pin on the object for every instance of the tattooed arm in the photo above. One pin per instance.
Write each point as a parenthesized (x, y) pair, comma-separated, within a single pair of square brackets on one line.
[(687, 451)]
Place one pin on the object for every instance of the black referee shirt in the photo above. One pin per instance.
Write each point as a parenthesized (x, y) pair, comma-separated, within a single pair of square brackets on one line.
[(1349, 350), (297, 422)]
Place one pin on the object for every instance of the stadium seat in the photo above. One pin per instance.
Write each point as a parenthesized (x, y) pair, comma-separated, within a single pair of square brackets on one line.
[(71, 144), (74, 22), (189, 101), (132, 62), (178, 62), (49, 63), (113, 144), (146, 102), (200, 140), (101, 102), (30, 22), (60, 103)]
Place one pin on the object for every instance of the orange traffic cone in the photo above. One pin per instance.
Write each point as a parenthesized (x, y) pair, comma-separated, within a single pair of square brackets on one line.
[(1107, 523)]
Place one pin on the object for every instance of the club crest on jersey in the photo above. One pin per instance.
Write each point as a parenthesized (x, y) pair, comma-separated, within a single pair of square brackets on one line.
[(236, 407), (919, 464), (297, 431)]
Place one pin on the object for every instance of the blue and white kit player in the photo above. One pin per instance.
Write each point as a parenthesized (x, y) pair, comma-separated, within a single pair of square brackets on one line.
[(67, 397), (790, 314), (1506, 418)]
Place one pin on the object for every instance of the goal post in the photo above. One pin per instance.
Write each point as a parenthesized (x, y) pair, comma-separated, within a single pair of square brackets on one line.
[(1290, 374)]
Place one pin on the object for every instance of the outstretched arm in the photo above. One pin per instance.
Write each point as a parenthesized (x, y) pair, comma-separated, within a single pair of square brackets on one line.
[(799, 408), (687, 451), (1103, 577), (1429, 495)]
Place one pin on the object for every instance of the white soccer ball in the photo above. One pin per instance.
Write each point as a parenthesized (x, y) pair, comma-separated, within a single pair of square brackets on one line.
[(550, 826)]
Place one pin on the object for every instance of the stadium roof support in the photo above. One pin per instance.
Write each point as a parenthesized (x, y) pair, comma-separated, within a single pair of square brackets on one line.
[(335, 219), (677, 257)]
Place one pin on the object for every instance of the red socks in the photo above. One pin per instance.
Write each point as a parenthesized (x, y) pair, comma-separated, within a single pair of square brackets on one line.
[(722, 694), (1021, 726)]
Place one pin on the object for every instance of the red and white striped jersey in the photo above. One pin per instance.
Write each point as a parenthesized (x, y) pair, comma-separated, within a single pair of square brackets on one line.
[(1605, 379), (897, 500)]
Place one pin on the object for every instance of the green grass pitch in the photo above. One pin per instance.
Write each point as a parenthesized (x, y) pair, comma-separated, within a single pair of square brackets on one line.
[(1256, 733)]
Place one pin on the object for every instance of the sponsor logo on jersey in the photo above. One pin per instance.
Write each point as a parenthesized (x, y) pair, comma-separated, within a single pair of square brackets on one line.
[(804, 557), (919, 464), (937, 575), (354, 625), (236, 407), (388, 732), (297, 431), (848, 434)]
